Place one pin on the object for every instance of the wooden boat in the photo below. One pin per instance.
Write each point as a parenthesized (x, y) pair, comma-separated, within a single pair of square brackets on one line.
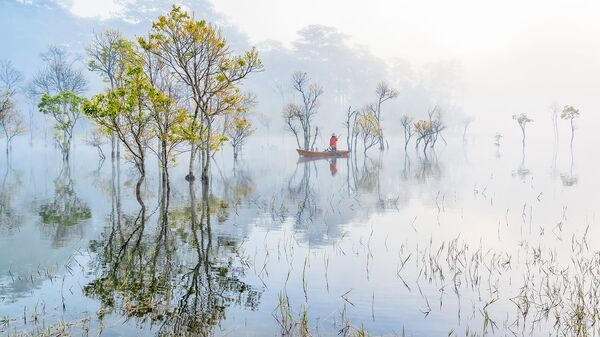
[(322, 154)]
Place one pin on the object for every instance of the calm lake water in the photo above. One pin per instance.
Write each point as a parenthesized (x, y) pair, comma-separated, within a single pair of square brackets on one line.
[(473, 240)]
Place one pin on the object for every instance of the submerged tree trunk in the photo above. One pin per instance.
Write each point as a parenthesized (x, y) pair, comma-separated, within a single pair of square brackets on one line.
[(165, 165), (112, 147), (7, 142), (572, 133), (138, 190), (235, 152), (307, 139), (206, 167), (190, 175), (206, 150)]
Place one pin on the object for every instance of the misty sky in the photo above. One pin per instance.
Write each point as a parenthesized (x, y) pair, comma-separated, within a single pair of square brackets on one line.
[(514, 56)]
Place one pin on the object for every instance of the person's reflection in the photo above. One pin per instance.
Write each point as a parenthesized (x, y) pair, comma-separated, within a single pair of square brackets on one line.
[(333, 166)]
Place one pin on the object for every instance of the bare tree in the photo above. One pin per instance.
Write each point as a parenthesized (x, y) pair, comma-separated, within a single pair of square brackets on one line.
[(384, 93), (11, 122), (435, 117), (554, 114), (96, 138), (408, 129), (57, 74), (350, 124), (299, 116), (9, 80), (291, 114)]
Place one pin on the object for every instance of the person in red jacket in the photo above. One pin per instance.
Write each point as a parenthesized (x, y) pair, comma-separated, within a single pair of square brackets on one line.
[(333, 142)]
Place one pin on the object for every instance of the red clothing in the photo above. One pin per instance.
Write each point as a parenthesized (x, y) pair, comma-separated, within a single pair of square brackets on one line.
[(333, 167), (333, 142)]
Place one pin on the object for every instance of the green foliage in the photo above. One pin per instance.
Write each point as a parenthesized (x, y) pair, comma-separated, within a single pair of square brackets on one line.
[(238, 129), (200, 57), (109, 54), (522, 119), (175, 273), (569, 113), (65, 108), (150, 81), (127, 111), (66, 208)]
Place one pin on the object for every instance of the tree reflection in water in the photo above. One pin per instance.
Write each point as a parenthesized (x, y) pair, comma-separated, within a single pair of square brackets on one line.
[(429, 168), (304, 194), (10, 220), (570, 179), (522, 171), (171, 270), (65, 213)]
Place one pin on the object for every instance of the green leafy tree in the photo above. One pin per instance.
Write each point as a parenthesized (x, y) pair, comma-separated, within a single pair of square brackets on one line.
[(522, 119), (199, 55), (169, 119), (107, 56), (238, 129), (65, 108), (569, 113), (126, 113)]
